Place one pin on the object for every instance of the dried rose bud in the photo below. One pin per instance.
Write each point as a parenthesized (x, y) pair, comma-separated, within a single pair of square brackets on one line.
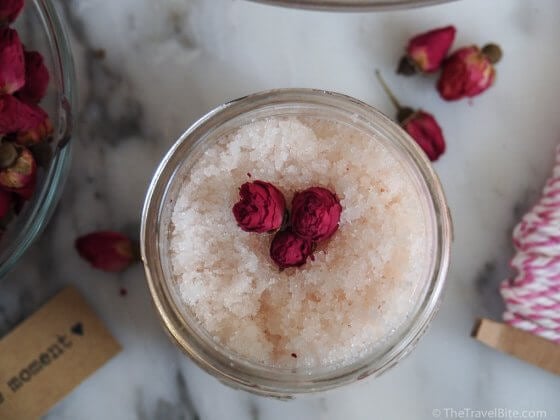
[(21, 174), (18, 116), (315, 213), (468, 72), (420, 125), (425, 52), (12, 66), (290, 250), (9, 10), (425, 130), (5, 203), (106, 250), (261, 207), (42, 132), (36, 78)]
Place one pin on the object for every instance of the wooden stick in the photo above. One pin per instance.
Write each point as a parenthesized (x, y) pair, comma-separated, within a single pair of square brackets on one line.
[(518, 343)]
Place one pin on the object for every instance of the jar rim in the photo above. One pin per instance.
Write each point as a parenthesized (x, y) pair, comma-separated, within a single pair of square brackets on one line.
[(351, 5), (249, 378)]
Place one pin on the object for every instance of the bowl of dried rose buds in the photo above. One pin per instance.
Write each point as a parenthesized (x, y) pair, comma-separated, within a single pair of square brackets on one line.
[(37, 96)]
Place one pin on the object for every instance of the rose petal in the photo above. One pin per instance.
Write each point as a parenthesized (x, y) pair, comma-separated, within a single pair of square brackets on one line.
[(9, 10), (36, 78), (12, 66), (18, 116), (42, 132), (429, 49)]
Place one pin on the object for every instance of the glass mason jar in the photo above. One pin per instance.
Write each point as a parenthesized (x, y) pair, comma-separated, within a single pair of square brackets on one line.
[(182, 325)]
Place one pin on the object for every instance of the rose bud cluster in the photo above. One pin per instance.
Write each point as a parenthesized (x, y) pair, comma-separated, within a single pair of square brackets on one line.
[(315, 218), (467, 72), (107, 250), (25, 128), (420, 125)]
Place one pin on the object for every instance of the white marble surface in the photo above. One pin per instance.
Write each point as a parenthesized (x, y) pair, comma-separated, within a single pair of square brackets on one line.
[(170, 61)]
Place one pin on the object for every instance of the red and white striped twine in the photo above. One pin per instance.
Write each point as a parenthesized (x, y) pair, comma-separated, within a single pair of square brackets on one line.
[(532, 297)]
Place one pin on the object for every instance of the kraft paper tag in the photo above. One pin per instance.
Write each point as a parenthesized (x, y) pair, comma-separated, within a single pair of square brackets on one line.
[(49, 354), (521, 344)]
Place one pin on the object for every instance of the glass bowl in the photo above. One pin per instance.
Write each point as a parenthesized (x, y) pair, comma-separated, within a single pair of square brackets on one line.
[(181, 323), (352, 5), (41, 28)]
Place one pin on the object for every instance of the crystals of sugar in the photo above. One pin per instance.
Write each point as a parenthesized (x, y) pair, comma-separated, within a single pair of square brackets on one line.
[(361, 286)]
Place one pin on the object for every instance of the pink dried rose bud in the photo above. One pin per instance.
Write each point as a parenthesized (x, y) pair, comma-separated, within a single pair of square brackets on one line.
[(290, 250), (9, 10), (426, 52), (12, 66), (36, 78), (468, 72), (425, 131), (420, 125), (21, 174), (315, 214), (261, 207), (106, 250), (5, 203), (42, 132), (18, 116)]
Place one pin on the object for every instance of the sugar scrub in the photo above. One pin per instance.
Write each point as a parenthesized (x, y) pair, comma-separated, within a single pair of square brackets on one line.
[(335, 309)]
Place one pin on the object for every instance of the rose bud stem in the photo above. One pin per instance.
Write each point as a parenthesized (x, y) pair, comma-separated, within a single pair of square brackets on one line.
[(420, 125), (493, 52), (406, 66), (403, 112)]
